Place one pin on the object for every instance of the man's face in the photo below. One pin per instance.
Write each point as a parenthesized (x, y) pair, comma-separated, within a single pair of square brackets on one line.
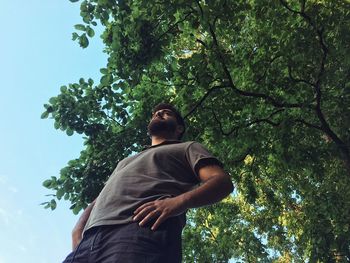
[(162, 122)]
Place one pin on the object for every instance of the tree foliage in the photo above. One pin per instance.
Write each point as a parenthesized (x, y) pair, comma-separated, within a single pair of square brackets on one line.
[(263, 84)]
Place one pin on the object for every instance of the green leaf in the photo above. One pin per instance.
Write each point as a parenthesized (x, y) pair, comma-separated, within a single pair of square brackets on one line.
[(47, 183), (104, 71), (74, 36), (80, 27), (53, 100), (83, 41), (106, 80), (56, 125), (66, 196), (69, 132), (53, 204), (76, 210), (90, 32), (50, 109), (63, 89), (44, 115), (60, 193)]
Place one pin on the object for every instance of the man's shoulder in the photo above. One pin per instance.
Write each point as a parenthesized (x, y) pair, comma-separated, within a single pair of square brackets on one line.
[(171, 144), (187, 145), (194, 144), (184, 144)]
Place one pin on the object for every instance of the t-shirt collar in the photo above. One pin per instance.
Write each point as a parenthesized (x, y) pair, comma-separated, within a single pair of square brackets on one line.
[(162, 143)]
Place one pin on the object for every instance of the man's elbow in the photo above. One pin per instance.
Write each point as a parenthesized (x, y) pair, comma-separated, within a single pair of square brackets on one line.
[(228, 186)]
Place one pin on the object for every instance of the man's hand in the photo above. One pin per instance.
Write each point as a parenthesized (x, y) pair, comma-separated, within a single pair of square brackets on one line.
[(77, 233), (160, 209), (215, 185), (77, 236)]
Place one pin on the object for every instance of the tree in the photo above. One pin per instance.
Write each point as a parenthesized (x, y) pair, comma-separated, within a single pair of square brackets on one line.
[(263, 84)]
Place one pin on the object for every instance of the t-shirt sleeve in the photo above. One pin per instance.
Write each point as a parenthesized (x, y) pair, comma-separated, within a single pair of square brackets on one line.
[(198, 156)]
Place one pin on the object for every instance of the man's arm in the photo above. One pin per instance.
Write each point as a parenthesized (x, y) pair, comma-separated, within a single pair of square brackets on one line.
[(215, 185), (77, 233)]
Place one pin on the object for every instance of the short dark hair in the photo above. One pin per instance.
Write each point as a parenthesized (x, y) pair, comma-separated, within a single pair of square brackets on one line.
[(179, 119)]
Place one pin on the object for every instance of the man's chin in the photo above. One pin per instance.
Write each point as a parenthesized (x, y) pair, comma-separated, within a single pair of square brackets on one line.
[(160, 127)]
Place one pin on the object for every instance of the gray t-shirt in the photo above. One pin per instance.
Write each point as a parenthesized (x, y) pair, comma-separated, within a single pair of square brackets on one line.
[(164, 170)]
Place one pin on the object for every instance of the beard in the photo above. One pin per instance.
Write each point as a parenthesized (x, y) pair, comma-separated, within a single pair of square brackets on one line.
[(159, 127)]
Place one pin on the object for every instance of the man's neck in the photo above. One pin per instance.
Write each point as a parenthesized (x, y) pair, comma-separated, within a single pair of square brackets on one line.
[(160, 139)]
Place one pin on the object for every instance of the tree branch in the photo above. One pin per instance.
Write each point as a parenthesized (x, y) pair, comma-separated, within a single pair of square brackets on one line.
[(259, 79), (174, 25), (257, 121), (114, 120), (263, 96), (310, 125), (200, 8), (201, 42), (297, 80), (324, 124), (220, 125), (203, 99), (170, 85), (241, 158)]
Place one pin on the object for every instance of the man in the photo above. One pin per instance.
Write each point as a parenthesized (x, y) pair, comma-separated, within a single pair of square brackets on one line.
[(140, 213)]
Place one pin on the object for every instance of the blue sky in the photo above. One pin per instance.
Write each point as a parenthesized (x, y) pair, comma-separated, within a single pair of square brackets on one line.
[(37, 56)]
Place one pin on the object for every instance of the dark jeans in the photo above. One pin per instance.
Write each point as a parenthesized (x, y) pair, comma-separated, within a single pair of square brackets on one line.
[(130, 243)]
